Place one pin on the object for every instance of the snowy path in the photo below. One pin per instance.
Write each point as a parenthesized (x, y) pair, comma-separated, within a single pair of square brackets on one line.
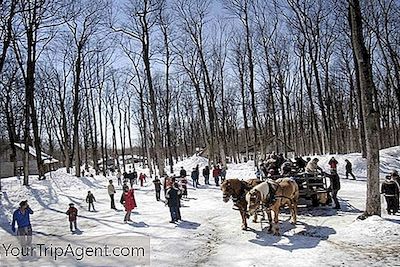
[(210, 234)]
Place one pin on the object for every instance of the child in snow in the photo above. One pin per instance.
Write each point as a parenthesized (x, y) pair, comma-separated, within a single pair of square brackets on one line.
[(72, 213), (90, 199), (390, 189), (184, 187)]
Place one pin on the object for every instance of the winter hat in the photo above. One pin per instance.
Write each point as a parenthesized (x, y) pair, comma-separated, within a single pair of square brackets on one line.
[(71, 204)]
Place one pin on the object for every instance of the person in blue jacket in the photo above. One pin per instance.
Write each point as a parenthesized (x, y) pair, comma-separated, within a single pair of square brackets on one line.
[(21, 217)]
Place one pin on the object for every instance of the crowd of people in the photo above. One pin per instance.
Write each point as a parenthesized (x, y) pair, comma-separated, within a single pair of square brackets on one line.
[(175, 188)]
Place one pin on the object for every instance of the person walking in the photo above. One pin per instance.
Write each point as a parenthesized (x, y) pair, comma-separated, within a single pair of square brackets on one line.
[(334, 187), (349, 169), (184, 187), (72, 213), (157, 187), (119, 177), (390, 189), (142, 178), (194, 177), (131, 177), (90, 199), (129, 202), (396, 178), (111, 192), (21, 217), (173, 196), (223, 174), (135, 177), (216, 173), (206, 175)]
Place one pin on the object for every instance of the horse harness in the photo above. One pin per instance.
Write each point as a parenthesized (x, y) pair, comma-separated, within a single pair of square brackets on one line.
[(242, 194), (272, 197)]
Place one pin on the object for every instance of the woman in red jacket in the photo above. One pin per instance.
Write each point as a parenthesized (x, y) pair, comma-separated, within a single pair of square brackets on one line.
[(128, 200)]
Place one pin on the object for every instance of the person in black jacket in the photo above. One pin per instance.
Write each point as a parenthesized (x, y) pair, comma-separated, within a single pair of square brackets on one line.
[(334, 187), (157, 186), (349, 169), (90, 199), (182, 173), (390, 189), (206, 174), (173, 196), (396, 178), (300, 163)]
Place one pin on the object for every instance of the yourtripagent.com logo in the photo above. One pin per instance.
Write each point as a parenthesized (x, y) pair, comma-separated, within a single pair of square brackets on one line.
[(71, 251)]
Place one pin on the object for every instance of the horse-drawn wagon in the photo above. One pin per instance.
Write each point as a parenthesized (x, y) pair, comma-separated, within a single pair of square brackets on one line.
[(312, 188)]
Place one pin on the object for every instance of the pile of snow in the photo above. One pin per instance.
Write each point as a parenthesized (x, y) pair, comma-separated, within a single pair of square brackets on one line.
[(389, 160)]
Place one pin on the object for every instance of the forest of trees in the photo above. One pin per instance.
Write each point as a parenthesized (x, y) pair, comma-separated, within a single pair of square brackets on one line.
[(88, 80)]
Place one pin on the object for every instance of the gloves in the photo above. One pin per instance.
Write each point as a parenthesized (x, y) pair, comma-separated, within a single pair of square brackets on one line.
[(13, 228)]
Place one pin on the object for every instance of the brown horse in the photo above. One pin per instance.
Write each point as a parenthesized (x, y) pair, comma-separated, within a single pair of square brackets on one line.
[(237, 189), (271, 196)]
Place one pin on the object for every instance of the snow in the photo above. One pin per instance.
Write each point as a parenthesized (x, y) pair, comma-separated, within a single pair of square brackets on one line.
[(210, 234)]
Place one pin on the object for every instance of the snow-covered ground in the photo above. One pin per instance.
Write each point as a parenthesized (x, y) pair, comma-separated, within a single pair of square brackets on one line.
[(210, 233)]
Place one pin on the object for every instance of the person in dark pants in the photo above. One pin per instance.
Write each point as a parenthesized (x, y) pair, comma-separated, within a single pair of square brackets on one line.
[(111, 192), (72, 213), (396, 178), (216, 174), (206, 175), (135, 177), (349, 169), (90, 199), (334, 187), (131, 177), (173, 196), (119, 175), (390, 189), (223, 174), (195, 177), (157, 186), (184, 187), (22, 217)]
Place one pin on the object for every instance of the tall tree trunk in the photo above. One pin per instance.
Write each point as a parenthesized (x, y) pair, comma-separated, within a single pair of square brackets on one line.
[(76, 111), (371, 114), (153, 102)]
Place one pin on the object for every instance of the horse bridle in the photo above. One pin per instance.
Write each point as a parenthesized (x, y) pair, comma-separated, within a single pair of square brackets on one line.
[(232, 192)]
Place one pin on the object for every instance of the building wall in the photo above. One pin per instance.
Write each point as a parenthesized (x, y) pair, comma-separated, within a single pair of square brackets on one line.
[(7, 168)]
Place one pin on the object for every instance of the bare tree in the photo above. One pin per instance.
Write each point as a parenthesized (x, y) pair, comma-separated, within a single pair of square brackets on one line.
[(371, 115)]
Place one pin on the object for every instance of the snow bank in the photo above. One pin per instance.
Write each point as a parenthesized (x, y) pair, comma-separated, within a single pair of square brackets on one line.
[(389, 160)]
